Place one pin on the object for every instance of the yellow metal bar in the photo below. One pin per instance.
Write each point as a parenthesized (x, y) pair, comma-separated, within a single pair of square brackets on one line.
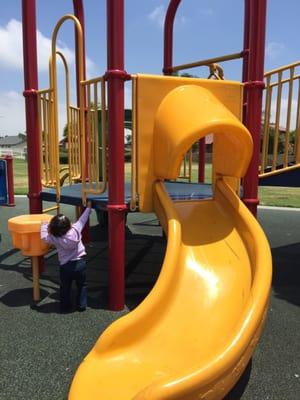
[(265, 144), (279, 171), (46, 127), (75, 142), (288, 120), (92, 80), (103, 137), (35, 278), (91, 190), (72, 167), (44, 124), (67, 85), (276, 133), (46, 210), (285, 80), (133, 188), (40, 122), (96, 142), (92, 183), (88, 132), (187, 166), (45, 91), (216, 71), (44, 138), (53, 85), (209, 61), (282, 68)]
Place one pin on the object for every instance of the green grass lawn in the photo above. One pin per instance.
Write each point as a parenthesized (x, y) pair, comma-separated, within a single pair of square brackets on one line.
[(20, 176), (271, 196)]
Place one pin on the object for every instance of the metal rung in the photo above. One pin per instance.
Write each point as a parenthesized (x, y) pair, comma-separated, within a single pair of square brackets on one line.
[(50, 209)]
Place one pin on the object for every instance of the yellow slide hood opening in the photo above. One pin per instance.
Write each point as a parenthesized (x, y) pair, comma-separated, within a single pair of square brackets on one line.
[(189, 113)]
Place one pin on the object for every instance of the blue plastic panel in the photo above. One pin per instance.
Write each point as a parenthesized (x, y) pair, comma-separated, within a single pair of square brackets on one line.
[(3, 182)]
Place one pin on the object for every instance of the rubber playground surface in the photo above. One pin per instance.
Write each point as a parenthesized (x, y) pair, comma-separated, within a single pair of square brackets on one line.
[(41, 349)]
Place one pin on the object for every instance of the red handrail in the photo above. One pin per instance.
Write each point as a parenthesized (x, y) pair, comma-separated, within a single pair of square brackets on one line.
[(168, 36)]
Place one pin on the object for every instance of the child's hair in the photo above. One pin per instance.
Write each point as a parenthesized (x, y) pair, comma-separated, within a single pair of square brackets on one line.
[(59, 225)]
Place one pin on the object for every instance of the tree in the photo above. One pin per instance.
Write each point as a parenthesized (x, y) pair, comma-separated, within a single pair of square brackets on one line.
[(65, 131)]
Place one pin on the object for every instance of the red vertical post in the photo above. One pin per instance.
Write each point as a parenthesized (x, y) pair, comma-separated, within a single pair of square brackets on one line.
[(254, 90), (10, 181), (31, 109), (168, 36), (115, 76)]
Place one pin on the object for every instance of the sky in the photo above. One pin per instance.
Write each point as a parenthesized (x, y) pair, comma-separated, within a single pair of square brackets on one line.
[(203, 29)]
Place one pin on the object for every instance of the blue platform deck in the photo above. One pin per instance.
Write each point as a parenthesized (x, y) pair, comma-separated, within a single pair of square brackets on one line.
[(177, 190)]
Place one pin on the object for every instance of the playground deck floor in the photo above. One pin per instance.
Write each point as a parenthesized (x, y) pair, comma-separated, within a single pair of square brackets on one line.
[(40, 349)]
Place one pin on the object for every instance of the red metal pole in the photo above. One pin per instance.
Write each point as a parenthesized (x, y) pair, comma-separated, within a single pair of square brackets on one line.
[(31, 109), (30, 94), (79, 13), (254, 90), (201, 160), (168, 36), (10, 181), (115, 76)]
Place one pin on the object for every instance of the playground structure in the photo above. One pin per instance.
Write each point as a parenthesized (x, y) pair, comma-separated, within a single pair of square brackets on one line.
[(117, 199), (194, 258)]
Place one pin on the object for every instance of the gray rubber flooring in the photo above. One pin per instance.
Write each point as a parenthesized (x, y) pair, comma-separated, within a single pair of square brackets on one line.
[(41, 349)]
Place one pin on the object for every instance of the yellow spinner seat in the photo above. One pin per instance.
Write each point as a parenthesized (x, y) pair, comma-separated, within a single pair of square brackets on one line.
[(25, 231)]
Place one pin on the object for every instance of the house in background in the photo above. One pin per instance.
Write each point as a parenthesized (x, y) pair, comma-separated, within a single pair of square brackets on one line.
[(13, 145)]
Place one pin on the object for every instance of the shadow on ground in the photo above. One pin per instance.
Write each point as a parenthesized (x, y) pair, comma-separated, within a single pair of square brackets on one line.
[(143, 259), (286, 273)]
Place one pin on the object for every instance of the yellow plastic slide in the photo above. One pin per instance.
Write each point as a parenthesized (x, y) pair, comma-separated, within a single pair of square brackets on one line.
[(194, 334)]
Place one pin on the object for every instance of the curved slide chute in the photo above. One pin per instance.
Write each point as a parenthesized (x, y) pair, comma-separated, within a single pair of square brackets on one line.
[(193, 335)]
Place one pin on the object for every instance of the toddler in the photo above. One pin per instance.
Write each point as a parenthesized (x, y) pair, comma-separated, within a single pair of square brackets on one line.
[(66, 237)]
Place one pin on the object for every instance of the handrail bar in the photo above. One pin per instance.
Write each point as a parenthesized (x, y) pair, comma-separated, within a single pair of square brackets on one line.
[(282, 68), (227, 57)]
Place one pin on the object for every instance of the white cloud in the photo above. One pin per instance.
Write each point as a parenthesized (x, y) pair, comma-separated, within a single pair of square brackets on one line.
[(12, 106), (128, 97), (274, 50), (158, 15), (11, 50), (11, 45), (12, 114)]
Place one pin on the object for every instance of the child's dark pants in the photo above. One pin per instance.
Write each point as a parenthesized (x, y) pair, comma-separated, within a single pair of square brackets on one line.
[(73, 270)]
